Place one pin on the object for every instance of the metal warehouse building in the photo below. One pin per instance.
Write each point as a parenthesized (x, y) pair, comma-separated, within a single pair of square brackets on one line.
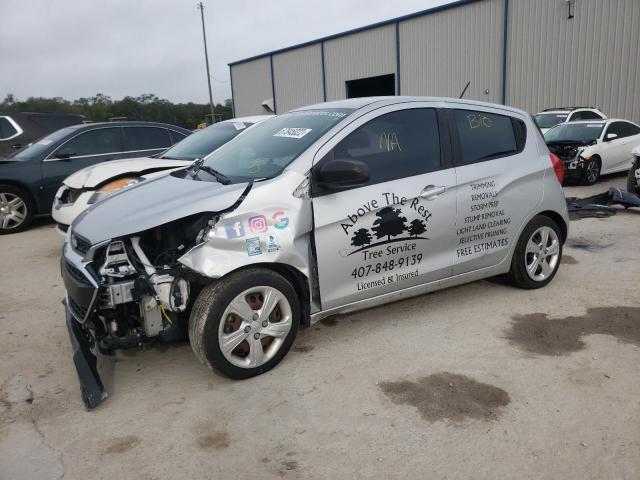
[(531, 54)]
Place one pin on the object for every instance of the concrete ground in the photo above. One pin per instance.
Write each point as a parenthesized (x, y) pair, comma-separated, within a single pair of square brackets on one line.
[(482, 381)]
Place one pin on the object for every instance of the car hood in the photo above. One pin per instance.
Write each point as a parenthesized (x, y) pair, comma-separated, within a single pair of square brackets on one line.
[(96, 174), (152, 203)]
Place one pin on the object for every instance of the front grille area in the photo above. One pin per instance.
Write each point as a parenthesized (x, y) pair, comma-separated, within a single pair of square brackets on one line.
[(80, 244), (77, 274)]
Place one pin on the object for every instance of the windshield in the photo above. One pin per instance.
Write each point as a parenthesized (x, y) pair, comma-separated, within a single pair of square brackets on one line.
[(267, 148), (574, 132), (41, 146), (548, 120), (202, 143)]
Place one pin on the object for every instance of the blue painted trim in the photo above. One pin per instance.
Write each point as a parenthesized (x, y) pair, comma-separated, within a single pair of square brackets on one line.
[(273, 86), (324, 79), (505, 46), (233, 96), (421, 13), (398, 58)]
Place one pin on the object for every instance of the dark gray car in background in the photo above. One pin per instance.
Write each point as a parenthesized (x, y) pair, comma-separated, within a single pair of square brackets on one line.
[(30, 177)]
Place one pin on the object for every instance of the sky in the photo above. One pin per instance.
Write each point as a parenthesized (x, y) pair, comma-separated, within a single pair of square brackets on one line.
[(77, 48)]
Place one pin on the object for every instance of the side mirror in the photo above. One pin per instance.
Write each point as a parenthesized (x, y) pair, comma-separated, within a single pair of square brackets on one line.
[(611, 136), (64, 154), (337, 174)]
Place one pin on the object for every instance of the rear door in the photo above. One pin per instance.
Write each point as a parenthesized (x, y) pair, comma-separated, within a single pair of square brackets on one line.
[(499, 178), (396, 231), (83, 150), (145, 141)]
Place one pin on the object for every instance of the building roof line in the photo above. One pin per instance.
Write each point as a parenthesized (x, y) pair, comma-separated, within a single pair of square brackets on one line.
[(372, 26)]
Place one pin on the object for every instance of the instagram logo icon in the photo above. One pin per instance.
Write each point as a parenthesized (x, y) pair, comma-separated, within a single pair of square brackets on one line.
[(258, 224)]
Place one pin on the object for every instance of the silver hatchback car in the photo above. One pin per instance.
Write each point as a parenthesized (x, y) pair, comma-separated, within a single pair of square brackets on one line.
[(326, 209)]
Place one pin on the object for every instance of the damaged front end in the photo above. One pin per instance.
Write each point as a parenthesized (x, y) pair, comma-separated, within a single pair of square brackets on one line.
[(574, 157), (127, 292)]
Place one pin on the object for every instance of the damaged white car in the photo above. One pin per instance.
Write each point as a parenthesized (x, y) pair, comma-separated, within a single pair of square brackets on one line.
[(92, 184), (327, 209)]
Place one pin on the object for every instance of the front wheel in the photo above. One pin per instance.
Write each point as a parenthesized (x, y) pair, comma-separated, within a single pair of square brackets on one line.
[(16, 210), (536, 258), (244, 324), (592, 173), (633, 179)]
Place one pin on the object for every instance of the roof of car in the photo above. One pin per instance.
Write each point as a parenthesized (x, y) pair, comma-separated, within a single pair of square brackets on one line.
[(566, 109), (89, 126), (357, 103), (604, 120)]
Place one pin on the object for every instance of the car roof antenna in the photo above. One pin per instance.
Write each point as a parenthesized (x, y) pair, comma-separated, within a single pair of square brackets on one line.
[(465, 89)]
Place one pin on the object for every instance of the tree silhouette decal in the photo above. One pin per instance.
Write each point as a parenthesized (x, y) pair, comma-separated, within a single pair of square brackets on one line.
[(389, 223), (361, 237), (417, 227)]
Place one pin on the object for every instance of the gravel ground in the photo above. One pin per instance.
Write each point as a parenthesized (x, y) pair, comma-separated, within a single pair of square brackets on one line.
[(482, 381)]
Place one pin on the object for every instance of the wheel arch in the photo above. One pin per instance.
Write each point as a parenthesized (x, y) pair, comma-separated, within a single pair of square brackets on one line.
[(298, 280), (25, 188), (557, 218)]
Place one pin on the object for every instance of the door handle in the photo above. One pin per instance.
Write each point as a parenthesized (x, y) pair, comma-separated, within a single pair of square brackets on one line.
[(430, 192)]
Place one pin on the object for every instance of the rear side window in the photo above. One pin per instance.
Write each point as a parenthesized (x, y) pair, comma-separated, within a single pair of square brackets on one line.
[(630, 129), (485, 136), (587, 115), (93, 142), (395, 145), (146, 138), (6, 129)]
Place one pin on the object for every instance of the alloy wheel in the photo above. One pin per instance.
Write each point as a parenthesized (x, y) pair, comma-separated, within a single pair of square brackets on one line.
[(593, 171), (13, 211), (254, 326), (542, 253)]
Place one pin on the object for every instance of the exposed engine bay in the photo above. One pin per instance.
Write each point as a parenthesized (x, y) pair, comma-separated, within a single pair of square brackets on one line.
[(144, 292)]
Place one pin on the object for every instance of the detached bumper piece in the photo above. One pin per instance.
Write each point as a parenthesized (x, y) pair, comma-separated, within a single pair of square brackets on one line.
[(601, 205), (86, 363)]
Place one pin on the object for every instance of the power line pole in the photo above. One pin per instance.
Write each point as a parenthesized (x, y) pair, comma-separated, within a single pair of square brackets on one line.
[(206, 59)]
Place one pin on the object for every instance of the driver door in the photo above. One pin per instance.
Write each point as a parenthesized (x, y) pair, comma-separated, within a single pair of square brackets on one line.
[(395, 230)]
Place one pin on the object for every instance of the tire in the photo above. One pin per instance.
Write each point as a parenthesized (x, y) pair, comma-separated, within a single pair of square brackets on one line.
[(16, 210), (213, 319), (592, 173), (633, 182), (525, 256)]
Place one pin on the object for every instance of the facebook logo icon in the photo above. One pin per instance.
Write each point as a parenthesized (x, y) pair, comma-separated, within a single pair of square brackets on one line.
[(234, 230)]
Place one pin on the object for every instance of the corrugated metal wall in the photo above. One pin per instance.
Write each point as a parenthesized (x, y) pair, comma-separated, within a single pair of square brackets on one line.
[(364, 54), (298, 77), (591, 59), (251, 86), (441, 52)]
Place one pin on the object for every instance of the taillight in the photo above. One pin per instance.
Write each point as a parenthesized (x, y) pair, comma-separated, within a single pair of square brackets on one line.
[(558, 167)]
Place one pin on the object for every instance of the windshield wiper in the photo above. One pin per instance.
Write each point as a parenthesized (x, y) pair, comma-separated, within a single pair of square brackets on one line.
[(198, 165)]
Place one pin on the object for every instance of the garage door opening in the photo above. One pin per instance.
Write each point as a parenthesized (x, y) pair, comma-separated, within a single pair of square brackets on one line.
[(372, 86)]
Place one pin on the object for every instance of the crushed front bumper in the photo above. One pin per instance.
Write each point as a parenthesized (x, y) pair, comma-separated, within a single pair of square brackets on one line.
[(91, 387)]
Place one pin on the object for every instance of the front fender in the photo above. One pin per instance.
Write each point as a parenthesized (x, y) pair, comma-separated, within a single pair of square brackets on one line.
[(269, 226)]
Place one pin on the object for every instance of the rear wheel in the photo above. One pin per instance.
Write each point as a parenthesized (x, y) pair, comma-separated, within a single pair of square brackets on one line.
[(633, 180), (592, 173), (16, 210), (536, 258), (244, 324)]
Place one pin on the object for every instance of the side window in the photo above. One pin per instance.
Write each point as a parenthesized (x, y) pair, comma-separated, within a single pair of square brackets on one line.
[(395, 145), (177, 137), (145, 138), (6, 128), (577, 116), (630, 129), (485, 136), (93, 142), (587, 115)]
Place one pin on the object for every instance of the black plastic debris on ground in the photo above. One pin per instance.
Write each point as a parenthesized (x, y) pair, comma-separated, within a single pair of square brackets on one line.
[(601, 205)]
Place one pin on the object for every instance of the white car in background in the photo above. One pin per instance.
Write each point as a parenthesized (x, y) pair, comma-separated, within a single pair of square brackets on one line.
[(551, 117), (593, 148), (89, 185)]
